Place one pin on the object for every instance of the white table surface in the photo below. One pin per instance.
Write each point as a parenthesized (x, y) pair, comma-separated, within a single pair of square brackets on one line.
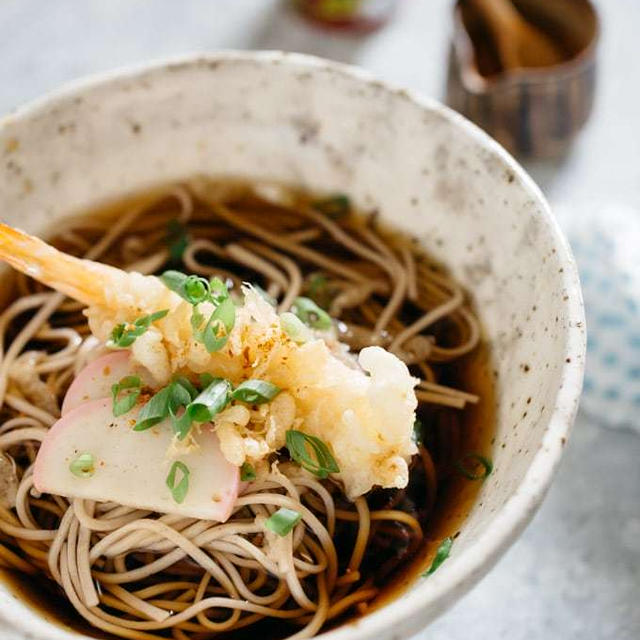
[(575, 573)]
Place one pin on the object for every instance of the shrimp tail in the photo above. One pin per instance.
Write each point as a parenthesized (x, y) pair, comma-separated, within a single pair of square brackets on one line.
[(82, 280)]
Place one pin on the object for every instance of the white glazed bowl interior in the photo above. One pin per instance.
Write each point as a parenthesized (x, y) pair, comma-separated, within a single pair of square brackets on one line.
[(300, 120)]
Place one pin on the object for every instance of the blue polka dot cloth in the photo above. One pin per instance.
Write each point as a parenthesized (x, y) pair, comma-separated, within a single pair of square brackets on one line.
[(606, 244)]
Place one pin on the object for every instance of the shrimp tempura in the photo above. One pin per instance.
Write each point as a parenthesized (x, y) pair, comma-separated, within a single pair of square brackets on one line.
[(365, 412)]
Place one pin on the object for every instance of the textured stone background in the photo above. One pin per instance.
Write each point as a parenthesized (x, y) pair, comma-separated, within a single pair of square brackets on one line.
[(575, 573)]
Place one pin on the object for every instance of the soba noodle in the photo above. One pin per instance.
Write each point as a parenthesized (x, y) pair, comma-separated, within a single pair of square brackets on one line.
[(137, 574)]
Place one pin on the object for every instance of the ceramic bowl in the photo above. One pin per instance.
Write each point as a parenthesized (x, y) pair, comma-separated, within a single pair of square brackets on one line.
[(427, 170)]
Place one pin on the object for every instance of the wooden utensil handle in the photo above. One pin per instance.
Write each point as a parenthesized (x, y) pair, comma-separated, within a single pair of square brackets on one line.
[(504, 21)]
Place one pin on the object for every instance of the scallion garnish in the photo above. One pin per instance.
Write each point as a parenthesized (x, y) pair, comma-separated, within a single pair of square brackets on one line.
[(213, 333), (283, 521), (217, 329), (200, 406), (442, 553), (255, 392), (197, 318), (475, 459), (247, 472), (336, 206), (180, 395), (83, 466), (210, 401), (154, 411), (177, 240), (124, 402), (416, 434), (204, 407), (311, 314), (219, 291), (125, 334), (318, 288), (175, 280), (178, 487), (193, 289), (295, 328), (321, 463), (205, 380), (163, 404), (216, 396), (317, 284), (196, 289), (183, 381)]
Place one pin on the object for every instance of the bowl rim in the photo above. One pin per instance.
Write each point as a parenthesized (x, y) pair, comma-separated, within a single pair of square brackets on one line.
[(463, 571)]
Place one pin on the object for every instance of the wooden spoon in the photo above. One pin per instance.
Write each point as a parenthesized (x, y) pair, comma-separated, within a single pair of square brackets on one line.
[(519, 43)]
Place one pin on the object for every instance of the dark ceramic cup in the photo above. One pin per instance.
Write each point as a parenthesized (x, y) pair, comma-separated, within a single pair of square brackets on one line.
[(535, 113)]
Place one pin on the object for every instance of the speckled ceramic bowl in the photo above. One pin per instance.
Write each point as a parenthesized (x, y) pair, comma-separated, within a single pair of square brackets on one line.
[(427, 170)]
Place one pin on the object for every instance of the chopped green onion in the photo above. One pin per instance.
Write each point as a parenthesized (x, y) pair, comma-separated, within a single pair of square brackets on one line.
[(210, 401), (319, 289), (177, 239), (178, 490), (321, 464), (174, 280), (197, 318), (205, 380), (131, 386), (204, 407), (196, 289), (442, 553), (219, 326), (179, 396), (311, 314), (163, 404), (198, 407), (181, 424), (475, 458), (283, 521), (317, 283), (120, 337), (247, 472), (125, 334), (146, 321), (219, 291), (416, 435), (295, 328), (154, 411), (255, 392), (83, 466), (183, 381), (193, 289), (336, 206), (181, 393)]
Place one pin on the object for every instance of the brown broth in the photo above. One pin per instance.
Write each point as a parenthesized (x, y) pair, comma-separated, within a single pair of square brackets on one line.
[(42, 596), (457, 499)]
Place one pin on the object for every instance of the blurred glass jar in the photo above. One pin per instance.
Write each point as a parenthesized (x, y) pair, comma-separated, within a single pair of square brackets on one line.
[(533, 112), (347, 15)]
